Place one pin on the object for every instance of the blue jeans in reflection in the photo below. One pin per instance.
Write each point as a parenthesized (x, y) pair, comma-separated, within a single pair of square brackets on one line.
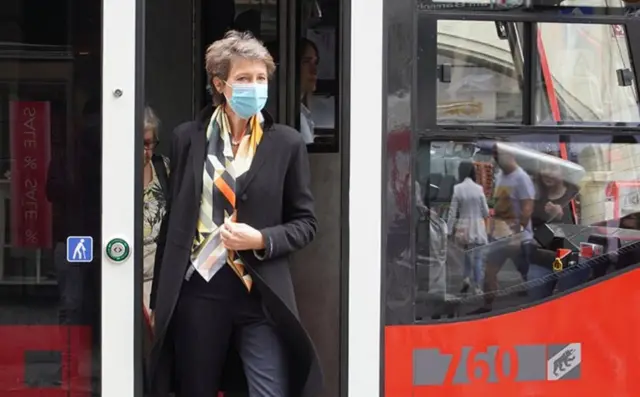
[(473, 263), (562, 282)]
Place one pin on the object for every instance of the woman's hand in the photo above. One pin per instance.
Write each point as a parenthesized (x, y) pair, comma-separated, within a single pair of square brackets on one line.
[(240, 237)]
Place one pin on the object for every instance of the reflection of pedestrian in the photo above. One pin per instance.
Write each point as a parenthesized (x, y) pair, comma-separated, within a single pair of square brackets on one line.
[(514, 195), (552, 206), (80, 252), (466, 223)]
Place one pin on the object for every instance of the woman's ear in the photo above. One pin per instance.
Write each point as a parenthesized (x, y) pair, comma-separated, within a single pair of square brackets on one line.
[(218, 85)]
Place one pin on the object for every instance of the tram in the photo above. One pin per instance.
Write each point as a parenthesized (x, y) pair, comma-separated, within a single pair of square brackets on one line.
[(539, 307)]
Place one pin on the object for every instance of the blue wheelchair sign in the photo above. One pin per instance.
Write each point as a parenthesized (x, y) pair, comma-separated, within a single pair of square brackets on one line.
[(79, 249)]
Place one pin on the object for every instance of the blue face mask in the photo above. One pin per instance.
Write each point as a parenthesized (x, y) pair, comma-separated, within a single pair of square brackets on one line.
[(248, 99)]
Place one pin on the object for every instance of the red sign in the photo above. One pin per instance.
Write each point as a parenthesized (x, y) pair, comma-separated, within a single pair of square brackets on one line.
[(71, 344), (30, 151)]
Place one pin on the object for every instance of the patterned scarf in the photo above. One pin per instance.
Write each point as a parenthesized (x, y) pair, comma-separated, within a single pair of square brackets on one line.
[(218, 201)]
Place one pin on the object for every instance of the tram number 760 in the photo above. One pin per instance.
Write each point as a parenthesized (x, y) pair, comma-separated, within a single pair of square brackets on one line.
[(520, 363)]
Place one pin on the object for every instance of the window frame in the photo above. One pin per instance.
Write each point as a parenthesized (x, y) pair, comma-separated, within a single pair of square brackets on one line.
[(427, 25)]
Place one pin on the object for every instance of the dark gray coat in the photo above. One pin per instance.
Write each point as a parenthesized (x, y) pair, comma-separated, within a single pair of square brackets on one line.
[(274, 197)]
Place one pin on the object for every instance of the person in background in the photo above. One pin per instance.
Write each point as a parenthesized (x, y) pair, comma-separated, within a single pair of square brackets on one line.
[(552, 194), (514, 194), (552, 205), (156, 171), (240, 204), (308, 78), (467, 223)]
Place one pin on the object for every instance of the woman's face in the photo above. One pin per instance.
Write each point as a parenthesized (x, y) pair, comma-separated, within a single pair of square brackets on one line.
[(551, 176), (242, 71), (308, 70), (150, 142)]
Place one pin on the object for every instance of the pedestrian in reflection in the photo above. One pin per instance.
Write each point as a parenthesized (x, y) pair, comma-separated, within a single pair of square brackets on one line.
[(467, 224), (552, 207), (514, 194), (239, 205), (553, 197)]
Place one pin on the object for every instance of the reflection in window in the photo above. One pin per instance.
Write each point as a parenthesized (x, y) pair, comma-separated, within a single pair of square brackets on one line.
[(477, 74), (587, 73), (507, 223)]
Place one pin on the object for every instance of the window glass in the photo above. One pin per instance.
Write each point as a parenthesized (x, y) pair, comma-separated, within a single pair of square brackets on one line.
[(510, 222), (587, 76), (50, 189), (479, 72), (317, 55)]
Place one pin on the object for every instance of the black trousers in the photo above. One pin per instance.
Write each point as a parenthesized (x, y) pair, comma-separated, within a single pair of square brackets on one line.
[(212, 317)]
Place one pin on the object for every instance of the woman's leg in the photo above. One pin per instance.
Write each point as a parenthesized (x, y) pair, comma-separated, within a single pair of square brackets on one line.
[(468, 252), (202, 332), (261, 350), (478, 266)]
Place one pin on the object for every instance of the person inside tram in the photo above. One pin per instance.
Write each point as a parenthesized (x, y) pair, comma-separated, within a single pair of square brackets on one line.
[(156, 170), (309, 58), (466, 223), (222, 282), (514, 195)]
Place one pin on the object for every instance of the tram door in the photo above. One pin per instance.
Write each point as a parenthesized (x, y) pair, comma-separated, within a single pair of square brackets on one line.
[(68, 165)]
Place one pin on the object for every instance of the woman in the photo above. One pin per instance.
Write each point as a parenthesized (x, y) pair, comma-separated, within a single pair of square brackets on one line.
[(240, 205), (308, 78), (467, 222), (155, 180), (553, 197), (552, 205)]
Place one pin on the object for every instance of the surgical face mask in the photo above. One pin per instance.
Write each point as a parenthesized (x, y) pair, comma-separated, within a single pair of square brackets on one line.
[(248, 99)]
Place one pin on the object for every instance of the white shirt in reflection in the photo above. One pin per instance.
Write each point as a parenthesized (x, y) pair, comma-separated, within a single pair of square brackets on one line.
[(307, 126)]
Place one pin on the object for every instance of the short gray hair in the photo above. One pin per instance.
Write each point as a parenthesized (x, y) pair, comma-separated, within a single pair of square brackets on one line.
[(234, 44), (151, 121)]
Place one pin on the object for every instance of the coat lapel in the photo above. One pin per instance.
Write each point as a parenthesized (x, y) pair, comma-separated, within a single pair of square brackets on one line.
[(256, 164), (198, 147)]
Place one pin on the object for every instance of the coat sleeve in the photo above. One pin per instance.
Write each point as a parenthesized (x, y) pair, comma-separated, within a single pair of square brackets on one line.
[(299, 221), (162, 235)]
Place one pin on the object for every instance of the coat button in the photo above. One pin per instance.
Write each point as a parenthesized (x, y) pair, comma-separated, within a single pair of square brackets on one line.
[(244, 197)]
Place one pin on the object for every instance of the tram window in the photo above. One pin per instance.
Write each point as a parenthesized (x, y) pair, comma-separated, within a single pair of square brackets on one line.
[(478, 77), (541, 218), (317, 52), (587, 75)]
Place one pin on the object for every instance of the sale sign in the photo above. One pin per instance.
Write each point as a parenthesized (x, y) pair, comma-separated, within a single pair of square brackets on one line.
[(30, 152)]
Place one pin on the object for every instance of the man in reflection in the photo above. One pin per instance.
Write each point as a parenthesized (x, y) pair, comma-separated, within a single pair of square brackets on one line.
[(514, 196)]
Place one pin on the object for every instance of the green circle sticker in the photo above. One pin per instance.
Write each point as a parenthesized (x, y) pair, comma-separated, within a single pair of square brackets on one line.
[(117, 250)]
